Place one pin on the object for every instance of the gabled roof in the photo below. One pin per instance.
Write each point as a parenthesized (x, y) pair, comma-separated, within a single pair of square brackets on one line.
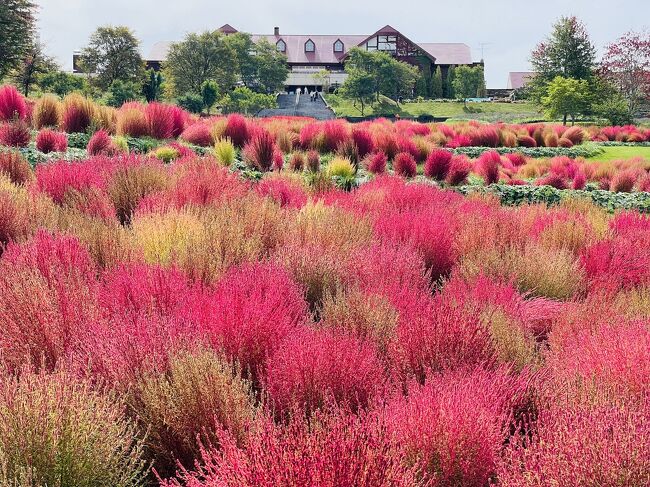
[(227, 29), (324, 53), (441, 53), (390, 30), (519, 79), (448, 53)]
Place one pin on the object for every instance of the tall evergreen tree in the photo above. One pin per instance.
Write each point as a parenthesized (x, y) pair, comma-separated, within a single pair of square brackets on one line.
[(17, 25), (568, 52), (436, 84), (448, 88)]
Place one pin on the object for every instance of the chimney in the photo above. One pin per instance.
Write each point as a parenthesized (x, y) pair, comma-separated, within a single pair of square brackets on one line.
[(276, 31)]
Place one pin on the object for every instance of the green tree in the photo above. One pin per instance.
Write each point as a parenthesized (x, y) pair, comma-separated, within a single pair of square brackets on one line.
[(436, 84), (568, 53), (199, 58), (271, 67), (209, 94), (122, 91), (111, 55), (359, 87), (35, 63), (152, 85), (468, 81), (246, 101), (244, 49), (448, 88), (383, 73), (422, 85), (191, 102), (61, 83), (566, 97), (17, 23)]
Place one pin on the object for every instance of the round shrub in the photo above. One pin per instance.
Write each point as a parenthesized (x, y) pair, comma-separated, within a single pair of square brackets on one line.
[(58, 430), (404, 165), (312, 369), (12, 104)]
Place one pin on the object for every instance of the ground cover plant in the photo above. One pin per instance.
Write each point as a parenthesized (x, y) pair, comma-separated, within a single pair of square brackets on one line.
[(283, 302)]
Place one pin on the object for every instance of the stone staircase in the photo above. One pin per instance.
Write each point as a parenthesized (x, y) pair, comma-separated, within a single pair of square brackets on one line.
[(289, 105)]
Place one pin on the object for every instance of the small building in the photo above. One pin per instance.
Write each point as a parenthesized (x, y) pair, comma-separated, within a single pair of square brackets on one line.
[(519, 79), (318, 61)]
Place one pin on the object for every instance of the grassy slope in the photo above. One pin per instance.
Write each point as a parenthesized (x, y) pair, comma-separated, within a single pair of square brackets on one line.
[(623, 152), (509, 112)]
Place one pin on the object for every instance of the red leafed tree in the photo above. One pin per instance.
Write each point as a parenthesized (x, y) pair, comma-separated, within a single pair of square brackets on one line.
[(627, 64)]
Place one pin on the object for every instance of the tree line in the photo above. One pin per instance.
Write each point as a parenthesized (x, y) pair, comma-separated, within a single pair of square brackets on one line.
[(372, 74), (201, 70)]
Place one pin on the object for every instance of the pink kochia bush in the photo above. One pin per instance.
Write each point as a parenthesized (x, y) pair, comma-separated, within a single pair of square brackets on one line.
[(329, 450), (454, 426), (602, 446), (312, 369), (405, 165), (438, 164), (12, 104), (487, 166), (48, 291), (50, 141), (100, 144), (250, 334)]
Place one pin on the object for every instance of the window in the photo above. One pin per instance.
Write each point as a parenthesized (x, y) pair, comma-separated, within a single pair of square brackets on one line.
[(310, 46), (281, 46), (338, 46), (387, 43)]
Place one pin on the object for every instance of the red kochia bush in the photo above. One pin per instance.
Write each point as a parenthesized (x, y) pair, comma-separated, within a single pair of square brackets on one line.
[(586, 446), (48, 300), (144, 290), (100, 144), (437, 164), (487, 166), (12, 104), (335, 132), (58, 178), (16, 167), (312, 368), (620, 263), (459, 169), (14, 134), (329, 450), (237, 130), (377, 163), (430, 233), (454, 426), (405, 165), (261, 151), (363, 140), (160, 119), (50, 141), (198, 134), (283, 192), (254, 307)]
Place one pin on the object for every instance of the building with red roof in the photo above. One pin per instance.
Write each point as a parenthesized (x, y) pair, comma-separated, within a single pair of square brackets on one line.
[(310, 56)]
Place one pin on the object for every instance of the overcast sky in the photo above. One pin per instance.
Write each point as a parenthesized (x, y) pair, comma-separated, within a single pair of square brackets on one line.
[(508, 28)]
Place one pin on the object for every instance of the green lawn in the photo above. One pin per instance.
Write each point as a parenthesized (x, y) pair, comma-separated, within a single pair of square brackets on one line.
[(489, 112), (621, 153)]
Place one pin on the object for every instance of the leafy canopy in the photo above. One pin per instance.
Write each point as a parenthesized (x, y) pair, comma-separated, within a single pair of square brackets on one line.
[(112, 54)]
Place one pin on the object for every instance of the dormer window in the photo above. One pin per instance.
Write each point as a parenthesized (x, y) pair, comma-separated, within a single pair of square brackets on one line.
[(281, 46), (310, 46), (338, 46)]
